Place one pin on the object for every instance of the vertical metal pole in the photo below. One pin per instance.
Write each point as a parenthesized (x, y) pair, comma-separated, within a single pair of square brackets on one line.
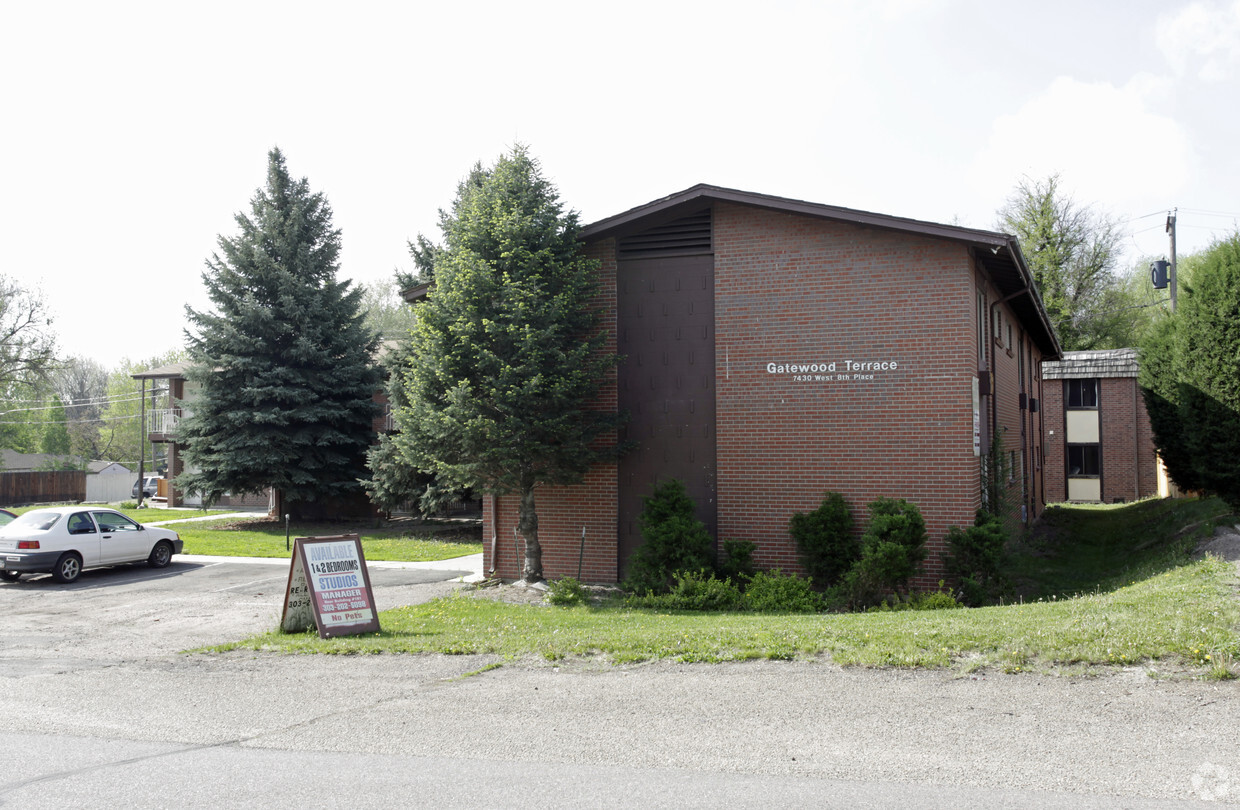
[(142, 446), (1171, 230), (581, 555), (286, 533)]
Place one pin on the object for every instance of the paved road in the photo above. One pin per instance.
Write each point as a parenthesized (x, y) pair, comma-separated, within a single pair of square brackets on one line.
[(99, 707)]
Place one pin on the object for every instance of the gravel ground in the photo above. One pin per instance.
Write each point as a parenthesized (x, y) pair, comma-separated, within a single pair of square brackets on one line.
[(1119, 733)]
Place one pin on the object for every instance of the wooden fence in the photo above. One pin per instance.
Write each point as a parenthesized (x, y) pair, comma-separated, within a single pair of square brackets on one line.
[(21, 488)]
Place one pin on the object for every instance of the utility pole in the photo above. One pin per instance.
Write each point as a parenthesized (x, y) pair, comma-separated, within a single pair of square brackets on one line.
[(1171, 230), (142, 446)]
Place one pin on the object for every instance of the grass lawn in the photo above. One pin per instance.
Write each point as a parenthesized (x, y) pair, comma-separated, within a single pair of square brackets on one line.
[(260, 536), (1145, 601), (149, 515)]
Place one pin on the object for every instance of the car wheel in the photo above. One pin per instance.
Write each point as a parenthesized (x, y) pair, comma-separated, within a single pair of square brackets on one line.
[(161, 555), (10, 576), (68, 567)]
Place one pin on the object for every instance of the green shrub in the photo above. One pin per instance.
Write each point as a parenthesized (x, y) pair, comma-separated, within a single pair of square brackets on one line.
[(737, 560), (774, 592), (942, 599), (693, 590), (825, 541), (675, 540), (975, 558), (935, 600), (892, 548), (566, 592)]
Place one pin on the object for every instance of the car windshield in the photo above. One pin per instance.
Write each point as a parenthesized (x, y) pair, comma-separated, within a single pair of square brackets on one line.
[(38, 520), (5, 517)]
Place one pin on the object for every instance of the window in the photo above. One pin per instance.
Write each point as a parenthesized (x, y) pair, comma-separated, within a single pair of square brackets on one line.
[(1083, 461), (79, 523), (981, 330), (39, 520), (1082, 393), (113, 522)]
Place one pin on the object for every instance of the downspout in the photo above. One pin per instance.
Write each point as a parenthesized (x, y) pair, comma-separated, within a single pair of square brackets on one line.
[(1136, 445), (1041, 436), (494, 532)]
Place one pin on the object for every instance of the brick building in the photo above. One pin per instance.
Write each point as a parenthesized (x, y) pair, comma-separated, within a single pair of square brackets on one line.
[(1099, 443), (776, 349)]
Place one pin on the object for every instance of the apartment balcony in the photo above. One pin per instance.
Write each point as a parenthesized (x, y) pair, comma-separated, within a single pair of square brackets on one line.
[(161, 425)]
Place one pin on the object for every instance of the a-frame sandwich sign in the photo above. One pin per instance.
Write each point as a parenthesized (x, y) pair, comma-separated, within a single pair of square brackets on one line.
[(329, 588)]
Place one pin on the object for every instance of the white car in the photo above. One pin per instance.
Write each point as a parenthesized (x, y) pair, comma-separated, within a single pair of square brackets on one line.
[(64, 540)]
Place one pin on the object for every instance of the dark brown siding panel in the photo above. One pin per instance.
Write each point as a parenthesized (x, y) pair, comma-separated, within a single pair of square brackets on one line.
[(666, 316)]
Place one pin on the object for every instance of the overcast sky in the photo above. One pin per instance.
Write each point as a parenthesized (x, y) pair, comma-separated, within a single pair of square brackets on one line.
[(134, 132)]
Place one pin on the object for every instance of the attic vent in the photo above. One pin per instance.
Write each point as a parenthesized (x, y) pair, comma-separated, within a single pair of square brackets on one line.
[(689, 234)]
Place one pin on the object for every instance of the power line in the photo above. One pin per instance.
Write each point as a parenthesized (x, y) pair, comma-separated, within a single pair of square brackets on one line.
[(1211, 228), (95, 400), (62, 405), (1144, 216), (1203, 212), (69, 421)]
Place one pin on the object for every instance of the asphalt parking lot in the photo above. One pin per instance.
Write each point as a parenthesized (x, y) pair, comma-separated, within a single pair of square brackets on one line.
[(111, 615), (100, 707)]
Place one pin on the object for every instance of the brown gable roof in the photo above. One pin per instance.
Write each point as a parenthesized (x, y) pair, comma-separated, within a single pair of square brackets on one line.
[(998, 253), (1095, 363)]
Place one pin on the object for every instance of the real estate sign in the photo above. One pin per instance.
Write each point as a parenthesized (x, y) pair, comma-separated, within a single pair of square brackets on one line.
[(329, 588)]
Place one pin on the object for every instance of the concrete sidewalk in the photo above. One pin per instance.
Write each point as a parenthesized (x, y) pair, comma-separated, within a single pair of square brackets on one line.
[(218, 516)]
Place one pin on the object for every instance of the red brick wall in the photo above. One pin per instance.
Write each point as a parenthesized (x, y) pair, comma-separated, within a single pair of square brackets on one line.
[(1129, 464), (1017, 427), (795, 289), (563, 511), (1056, 442), (792, 289)]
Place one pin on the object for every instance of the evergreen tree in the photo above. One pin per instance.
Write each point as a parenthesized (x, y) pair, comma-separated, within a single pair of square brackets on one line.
[(1160, 387), (1208, 337), (825, 541), (506, 360), (676, 541), (284, 362)]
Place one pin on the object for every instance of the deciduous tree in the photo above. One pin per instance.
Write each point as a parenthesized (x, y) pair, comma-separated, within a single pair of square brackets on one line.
[(82, 385), (1071, 250), (27, 343)]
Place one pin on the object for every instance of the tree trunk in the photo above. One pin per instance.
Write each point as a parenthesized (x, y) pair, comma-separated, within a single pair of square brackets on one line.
[(527, 527)]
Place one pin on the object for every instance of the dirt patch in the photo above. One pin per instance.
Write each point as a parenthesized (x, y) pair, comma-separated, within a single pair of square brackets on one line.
[(1225, 544), (518, 594)]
